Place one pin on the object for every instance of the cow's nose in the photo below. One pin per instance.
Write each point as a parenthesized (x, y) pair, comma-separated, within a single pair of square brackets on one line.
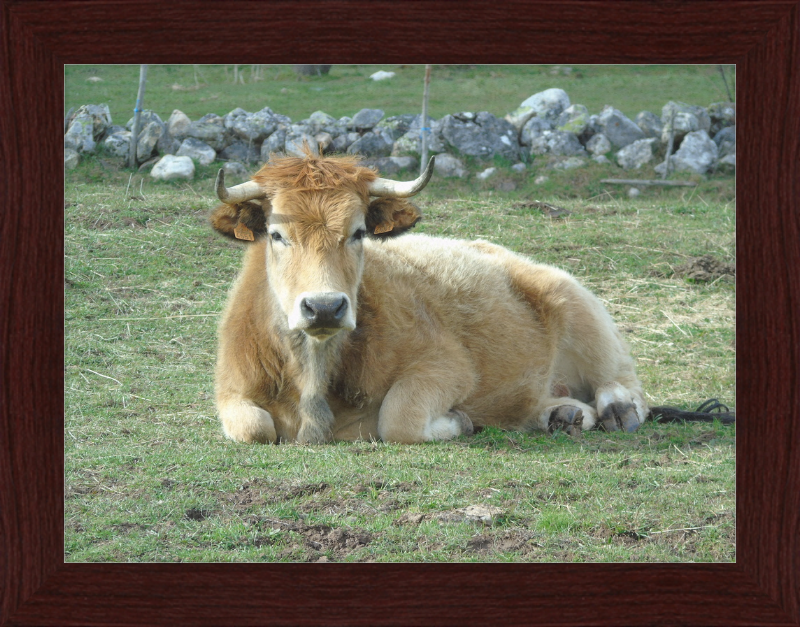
[(324, 310)]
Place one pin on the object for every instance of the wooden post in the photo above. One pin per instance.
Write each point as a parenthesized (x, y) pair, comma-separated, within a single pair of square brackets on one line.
[(423, 129), (669, 144), (136, 117)]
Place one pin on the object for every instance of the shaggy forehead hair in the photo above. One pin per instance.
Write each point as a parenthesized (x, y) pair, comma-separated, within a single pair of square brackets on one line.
[(312, 173), (317, 193)]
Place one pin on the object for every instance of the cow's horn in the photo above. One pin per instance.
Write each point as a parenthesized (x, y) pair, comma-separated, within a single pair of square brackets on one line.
[(237, 193), (402, 189)]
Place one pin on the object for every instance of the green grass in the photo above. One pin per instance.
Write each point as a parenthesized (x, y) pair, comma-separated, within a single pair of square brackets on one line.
[(149, 475), (498, 89)]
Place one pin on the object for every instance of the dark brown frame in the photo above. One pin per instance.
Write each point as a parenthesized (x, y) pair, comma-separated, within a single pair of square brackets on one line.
[(40, 36)]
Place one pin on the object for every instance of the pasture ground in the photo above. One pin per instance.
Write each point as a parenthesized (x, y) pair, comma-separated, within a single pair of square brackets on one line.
[(149, 476)]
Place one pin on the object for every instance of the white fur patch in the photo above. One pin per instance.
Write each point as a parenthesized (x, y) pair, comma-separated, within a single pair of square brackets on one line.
[(441, 428)]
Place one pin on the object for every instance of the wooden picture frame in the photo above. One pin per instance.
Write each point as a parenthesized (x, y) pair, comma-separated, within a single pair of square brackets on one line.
[(39, 36)]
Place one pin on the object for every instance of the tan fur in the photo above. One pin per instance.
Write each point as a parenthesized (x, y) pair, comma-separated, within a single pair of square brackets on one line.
[(444, 330)]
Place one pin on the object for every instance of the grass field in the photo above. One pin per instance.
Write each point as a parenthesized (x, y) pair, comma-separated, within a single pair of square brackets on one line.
[(149, 476), (347, 89)]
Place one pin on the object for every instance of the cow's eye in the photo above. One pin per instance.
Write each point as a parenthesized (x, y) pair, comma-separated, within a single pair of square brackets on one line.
[(277, 237), (359, 234)]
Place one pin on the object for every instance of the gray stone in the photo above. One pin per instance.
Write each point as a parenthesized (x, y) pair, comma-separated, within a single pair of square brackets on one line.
[(726, 141), (274, 144), (541, 179), (698, 153), (101, 118), (71, 158), (145, 117), (650, 124), (390, 166), (250, 127), (296, 142), (722, 115), (558, 143), (178, 124), (340, 143), (319, 121), (688, 119), (634, 192), (619, 129), (399, 125), (170, 168), (533, 129), (727, 163), (236, 170), (374, 144), (324, 141), (548, 104), (167, 144), (366, 119), (448, 166), (519, 167), (197, 150), (574, 119), (118, 144), (598, 144), (240, 151), (211, 130), (80, 134), (484, 136), (148, 138), (637, 154), (601, 159)]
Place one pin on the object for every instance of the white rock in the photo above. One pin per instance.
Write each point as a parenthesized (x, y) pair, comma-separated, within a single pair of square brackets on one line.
[(197, 150), (637, 154), (178, 124), (539, 180), (633, 192), (519, 167), (549, 103), (171, 167), (488, 172), (698, 153), (598, 144), (381, 75), (486, 514), (449, 166), (118, 144), (71, 158)]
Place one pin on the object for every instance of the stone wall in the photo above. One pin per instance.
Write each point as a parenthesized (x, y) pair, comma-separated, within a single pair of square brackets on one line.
[(544, 131)]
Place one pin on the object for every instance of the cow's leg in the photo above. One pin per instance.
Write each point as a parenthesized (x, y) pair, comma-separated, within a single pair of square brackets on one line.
[(244, 421), (419, 406), (562, 414), (620, 408)]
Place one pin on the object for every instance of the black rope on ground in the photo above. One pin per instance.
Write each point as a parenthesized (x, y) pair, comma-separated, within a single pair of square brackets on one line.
[(708, 411)]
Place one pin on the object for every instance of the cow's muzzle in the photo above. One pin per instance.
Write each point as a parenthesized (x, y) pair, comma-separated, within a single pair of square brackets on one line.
[(322, 314)]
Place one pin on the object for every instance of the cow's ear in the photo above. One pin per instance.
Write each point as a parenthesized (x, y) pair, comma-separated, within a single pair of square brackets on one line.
[(389, 217), (245, 222)]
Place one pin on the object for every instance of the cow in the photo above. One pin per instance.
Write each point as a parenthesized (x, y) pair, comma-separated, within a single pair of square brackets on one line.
[(340, 326)]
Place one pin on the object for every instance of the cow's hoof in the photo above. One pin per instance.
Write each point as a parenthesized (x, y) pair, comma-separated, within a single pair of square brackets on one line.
[(619, 417), (467, 428), (567, 418)]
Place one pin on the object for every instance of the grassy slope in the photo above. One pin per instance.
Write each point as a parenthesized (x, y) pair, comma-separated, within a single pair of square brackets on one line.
[(149, 476)]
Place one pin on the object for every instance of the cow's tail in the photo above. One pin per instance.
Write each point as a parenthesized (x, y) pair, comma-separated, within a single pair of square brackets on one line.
[(708, 411)]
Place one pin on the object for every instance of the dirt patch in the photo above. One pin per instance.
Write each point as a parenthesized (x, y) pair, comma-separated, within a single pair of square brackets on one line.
[(520, 542), (704, 270), (313, 543)]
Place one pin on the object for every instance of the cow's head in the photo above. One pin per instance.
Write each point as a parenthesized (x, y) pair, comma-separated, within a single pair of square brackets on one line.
[(314, 213)]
